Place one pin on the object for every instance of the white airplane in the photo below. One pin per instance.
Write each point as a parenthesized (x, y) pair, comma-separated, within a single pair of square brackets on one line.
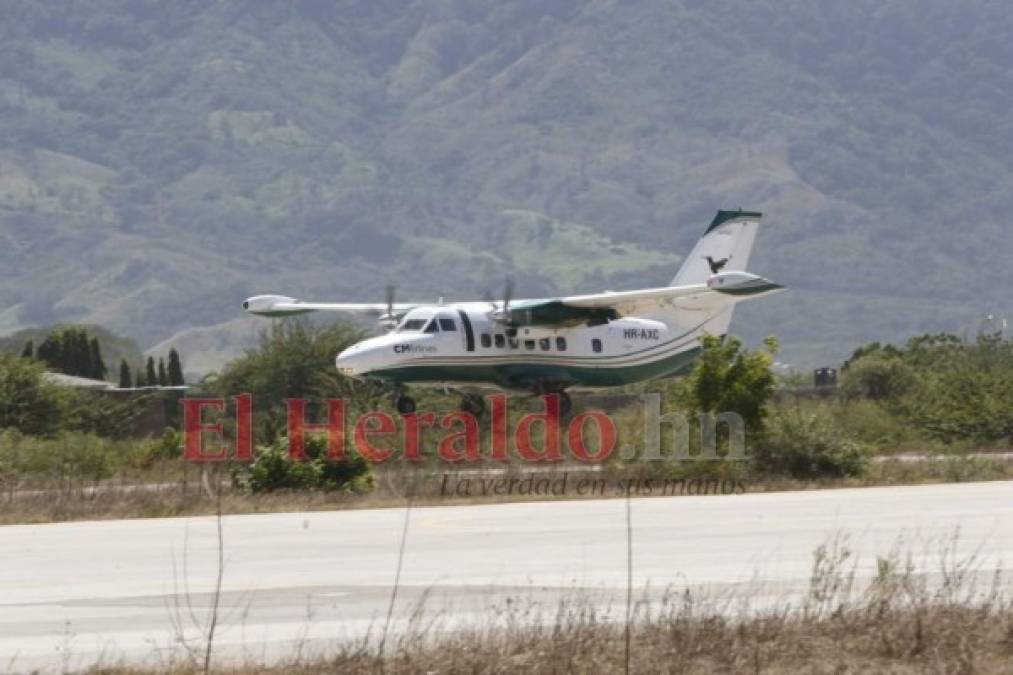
[(549, 345)]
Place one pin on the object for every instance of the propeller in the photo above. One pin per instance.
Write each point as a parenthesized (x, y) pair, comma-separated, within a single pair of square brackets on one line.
[(501, 313), (388, 320)]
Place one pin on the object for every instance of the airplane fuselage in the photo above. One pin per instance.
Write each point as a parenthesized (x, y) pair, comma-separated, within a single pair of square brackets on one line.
[(459, 344)]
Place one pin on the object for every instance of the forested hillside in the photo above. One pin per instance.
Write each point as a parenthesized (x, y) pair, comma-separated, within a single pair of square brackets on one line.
[(159, 161)]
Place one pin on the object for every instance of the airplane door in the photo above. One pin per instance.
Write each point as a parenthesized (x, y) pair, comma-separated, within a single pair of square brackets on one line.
[(466, 334)]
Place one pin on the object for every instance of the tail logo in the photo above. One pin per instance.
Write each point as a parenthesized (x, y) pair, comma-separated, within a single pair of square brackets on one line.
[(716, 265)]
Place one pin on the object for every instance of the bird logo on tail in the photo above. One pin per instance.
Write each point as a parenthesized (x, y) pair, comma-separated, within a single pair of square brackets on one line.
[(716, 265)]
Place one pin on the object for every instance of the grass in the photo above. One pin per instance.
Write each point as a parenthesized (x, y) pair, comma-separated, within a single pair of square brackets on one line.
[(177, 493)]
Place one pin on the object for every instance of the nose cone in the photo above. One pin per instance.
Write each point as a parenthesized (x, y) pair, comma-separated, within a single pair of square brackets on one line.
[(374, 356), (362, 358), (351, 362)]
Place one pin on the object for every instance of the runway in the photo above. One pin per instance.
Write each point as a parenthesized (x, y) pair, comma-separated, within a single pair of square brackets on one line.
[(72, 594)]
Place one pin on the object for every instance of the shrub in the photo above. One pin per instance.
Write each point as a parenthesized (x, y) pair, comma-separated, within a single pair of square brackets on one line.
[(871, 423), (806, 444), (167, 446), (70, 459), (879, 378), (27, 402), (272, 470)]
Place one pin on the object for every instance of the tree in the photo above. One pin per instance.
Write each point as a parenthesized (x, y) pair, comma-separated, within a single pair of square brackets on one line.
[(77, 353), (29, 351), (27, 402), (50, 352), (69, 351), (295, 359), (879, 377), (967, 394), (175, 369), (125, 380), (139, 380), (98, 366), (150, 377), (728, 378), (163, 378), (940, 385)]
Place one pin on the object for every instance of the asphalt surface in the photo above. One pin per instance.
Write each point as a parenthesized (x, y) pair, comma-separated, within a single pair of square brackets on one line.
[(73, 594)]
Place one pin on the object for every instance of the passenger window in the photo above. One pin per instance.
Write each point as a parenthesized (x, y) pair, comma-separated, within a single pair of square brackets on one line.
[(486, 340), (500, 342), (529, 344), (447, 323), (544, 343), (432, 327), (596, 346), (561, 343), (514, 343)]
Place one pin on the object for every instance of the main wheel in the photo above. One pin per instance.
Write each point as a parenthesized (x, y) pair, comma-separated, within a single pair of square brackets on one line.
[(473, 404), (405, 405), (565, 404)]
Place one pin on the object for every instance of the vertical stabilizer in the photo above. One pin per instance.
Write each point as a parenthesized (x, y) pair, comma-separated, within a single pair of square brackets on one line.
[(724, 247)]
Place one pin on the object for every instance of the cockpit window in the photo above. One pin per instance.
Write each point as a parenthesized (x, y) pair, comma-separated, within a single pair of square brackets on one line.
[(411, 325), (432, 327), (446, 323)]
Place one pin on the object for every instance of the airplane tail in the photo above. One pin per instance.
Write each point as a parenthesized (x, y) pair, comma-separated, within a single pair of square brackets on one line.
[(724, 247)]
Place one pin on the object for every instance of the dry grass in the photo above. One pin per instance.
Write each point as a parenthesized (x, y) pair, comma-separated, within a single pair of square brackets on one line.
[(929, 638), (899, 622)]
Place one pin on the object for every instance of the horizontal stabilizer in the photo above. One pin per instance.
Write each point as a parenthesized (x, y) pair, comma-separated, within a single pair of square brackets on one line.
[(742, 284)]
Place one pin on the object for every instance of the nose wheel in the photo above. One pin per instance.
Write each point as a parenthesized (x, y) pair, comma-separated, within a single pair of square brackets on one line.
[(404, 404)]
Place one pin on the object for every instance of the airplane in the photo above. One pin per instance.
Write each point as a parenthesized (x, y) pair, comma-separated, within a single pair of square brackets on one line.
[(551, 345)]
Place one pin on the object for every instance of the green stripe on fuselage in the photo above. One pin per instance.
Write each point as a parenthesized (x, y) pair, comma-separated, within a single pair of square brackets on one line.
[(528, 375)]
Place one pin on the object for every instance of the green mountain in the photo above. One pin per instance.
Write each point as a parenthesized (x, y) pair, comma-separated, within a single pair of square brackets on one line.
[(159, 161)]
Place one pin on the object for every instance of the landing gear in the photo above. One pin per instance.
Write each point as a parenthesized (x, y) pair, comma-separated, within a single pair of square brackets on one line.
[(473, 404), (565, 404), (555, 389), (405, 404)]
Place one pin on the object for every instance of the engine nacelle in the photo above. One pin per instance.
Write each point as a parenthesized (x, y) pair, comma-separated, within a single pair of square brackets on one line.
[(267, 305)]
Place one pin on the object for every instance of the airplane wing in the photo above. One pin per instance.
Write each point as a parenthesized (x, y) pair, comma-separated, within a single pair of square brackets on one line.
[(601, 307), (560, 311), (280, 305), (630, 302)]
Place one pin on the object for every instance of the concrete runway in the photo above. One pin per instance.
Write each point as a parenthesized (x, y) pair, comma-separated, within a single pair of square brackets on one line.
[(72, 594)]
